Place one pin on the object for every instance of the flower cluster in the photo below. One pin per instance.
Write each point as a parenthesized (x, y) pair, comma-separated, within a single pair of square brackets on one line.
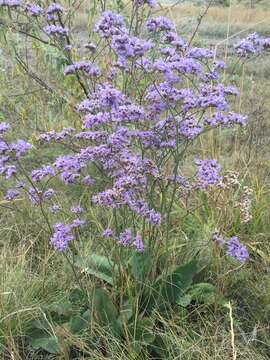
[(252, 45), (126, 239), (63, 234), (10, 3), (244, 205), (232, 246), (10, 153), (156, 95), (208, 172), (151, 3), (88, 68), (33, 9), (55, 30)]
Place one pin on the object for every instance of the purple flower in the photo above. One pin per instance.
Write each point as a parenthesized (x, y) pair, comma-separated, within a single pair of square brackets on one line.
[(252, 45), (77, 209), (48, 194), (10, 3), (4, 147), (4, 127), (54, 8), (126, 47), (174, 40), (55, 30), (77, 223), (33, 9), (125, 238), (54, 209), (8, 171), (20, 184), (34, 196), (186, 66), (218, 238), (87, 180), (189, 128), (20, 147), (151, 3), (237, 250), (208, 172), (200, 53), (138, 244), (96, 120), (87, 67), (68, 47), (229, 119), (61, 237), (159, 24), (12, 194), (110, 24), (108, 233), (52, 17), (40, 174)]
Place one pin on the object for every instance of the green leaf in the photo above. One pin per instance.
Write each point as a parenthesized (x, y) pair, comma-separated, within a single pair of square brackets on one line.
[(39, 337), (141, 331), (184, 300), (104, 311), (141, 264), (203, 293), (169, 288), (79, 323), (175, 284), (63, 307), (98, 266), (48, 344), (78, 296)]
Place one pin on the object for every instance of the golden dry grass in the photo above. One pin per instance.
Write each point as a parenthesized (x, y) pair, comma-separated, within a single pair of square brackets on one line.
[(236, 15)]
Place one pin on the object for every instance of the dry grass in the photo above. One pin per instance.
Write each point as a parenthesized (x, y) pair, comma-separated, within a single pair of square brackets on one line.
[(237, 15)]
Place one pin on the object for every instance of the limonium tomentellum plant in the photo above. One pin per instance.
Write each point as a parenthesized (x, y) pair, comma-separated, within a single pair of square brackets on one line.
[(139, 116)]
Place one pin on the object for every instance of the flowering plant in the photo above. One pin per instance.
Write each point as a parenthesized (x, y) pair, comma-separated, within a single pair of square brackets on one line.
[(143, 109)]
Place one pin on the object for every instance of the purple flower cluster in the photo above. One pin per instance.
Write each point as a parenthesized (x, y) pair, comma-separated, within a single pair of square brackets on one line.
[(40, 174), (37, 196), (229, 119), (110, 24), (55, 30), (88, 68), (232, 246), (10, 153), (10, 3), (63, 235), (207, 172), (12, 194), (126, 239), (54, 8), (34, 10), (4, 127), (151, 3), (159, 24), (252, 45), (159, 94), (189, 128)]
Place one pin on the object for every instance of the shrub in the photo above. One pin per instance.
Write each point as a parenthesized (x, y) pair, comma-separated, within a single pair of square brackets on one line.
[(149, 96)]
